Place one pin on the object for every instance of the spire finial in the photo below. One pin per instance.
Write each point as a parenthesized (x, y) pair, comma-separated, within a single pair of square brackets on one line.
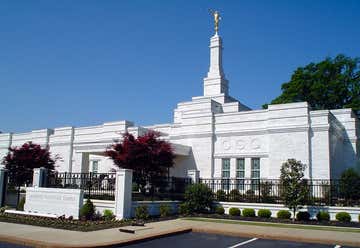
[(217, 18)]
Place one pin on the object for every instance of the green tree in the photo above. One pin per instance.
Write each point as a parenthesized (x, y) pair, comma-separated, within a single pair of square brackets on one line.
[(350, 185), (294, 187), (330, 84), (198, 198)]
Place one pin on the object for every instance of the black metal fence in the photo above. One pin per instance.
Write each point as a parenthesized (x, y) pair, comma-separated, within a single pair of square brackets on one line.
[(161, 188), (95, 185), (319, 192), (102, 186)]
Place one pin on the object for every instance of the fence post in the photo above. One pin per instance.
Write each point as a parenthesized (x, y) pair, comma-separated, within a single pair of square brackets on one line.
[(194, 175), (3, 184), (39, 175), (123, 194)]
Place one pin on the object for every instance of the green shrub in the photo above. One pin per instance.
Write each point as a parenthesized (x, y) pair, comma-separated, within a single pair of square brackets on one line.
[(199, 198), (250, 195), (234, 212), (303, 215), (234, 195), (108, 214), (184, 209), (87, 211), (359, 218), (142, 212), (219, 210), (264, 213), (323, 216), (21, 204), (248, 212), (283, 214), (2, 209), (220, 195), (343, 217), (165, 210)]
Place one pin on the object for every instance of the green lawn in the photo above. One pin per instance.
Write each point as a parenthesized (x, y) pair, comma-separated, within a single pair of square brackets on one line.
[(280, 225)]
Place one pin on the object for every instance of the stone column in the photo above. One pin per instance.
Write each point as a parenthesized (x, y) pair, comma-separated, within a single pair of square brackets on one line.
[(123, 194), (194, 175), (3, 184), (39, 177)]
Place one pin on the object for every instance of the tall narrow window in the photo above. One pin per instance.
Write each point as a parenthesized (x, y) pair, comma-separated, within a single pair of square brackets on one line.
[(225, 170), (95, 166), (240, 173), (225, 174), (255, 173)]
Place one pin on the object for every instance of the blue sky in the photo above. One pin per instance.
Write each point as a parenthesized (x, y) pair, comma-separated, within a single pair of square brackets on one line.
[(78, 63)]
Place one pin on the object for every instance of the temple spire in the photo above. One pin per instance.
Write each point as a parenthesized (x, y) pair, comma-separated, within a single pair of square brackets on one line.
[(215, 82)]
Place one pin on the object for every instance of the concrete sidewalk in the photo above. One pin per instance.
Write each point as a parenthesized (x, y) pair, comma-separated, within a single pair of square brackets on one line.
[(48, 237)]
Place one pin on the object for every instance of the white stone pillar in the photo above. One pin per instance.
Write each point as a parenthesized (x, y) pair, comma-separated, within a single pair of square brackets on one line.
[(123, 194), (3, 184), (39, 175), (194, 175), (81, 163)]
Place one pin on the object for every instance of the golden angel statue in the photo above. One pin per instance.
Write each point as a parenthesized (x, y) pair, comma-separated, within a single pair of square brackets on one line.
[(217, 18)]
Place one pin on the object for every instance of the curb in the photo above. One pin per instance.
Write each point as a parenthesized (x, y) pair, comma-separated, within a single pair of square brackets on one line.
[(124, 242)]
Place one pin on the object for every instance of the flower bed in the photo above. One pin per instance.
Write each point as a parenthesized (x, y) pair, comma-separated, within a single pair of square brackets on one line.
[(74, 225), (61, 223), (277, 220)]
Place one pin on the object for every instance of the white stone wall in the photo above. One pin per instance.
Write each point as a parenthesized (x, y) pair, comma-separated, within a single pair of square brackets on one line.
[(54, 201), (274, 208), (327, 141)]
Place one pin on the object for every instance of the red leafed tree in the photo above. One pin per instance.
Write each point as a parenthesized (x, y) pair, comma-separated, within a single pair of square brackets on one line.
[(20, 162), (148, 156)]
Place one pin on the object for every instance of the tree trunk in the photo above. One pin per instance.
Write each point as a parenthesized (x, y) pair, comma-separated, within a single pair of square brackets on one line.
[(294, 211), (18, 197)]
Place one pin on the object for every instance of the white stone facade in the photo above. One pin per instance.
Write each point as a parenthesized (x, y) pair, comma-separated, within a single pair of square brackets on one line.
[(215, 129)]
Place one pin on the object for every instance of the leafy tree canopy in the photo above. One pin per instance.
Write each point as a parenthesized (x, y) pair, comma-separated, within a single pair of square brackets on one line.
[(148, 156), (20, 162), (350, 185), (330, 84)]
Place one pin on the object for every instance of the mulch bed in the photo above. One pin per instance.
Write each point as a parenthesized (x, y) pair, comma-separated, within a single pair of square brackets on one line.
[(59, 223), (74, 225), (276, 220)]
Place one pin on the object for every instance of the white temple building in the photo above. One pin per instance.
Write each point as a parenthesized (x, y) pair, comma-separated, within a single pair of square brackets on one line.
[(219, 136)]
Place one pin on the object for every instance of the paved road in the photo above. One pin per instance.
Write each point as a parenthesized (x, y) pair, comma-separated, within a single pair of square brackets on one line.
[(8, 245), (193, 240)]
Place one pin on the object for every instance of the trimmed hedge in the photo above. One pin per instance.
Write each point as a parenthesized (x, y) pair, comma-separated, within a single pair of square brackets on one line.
[(184, 209), (264, 213), (199, 198), (108, 214), (323, 216), (283, 214), (234, 212), (165, 210), (220, 195), (142, 212), (248, 212), (219, 210), (87, 211), (303, 215), (343, 217)]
